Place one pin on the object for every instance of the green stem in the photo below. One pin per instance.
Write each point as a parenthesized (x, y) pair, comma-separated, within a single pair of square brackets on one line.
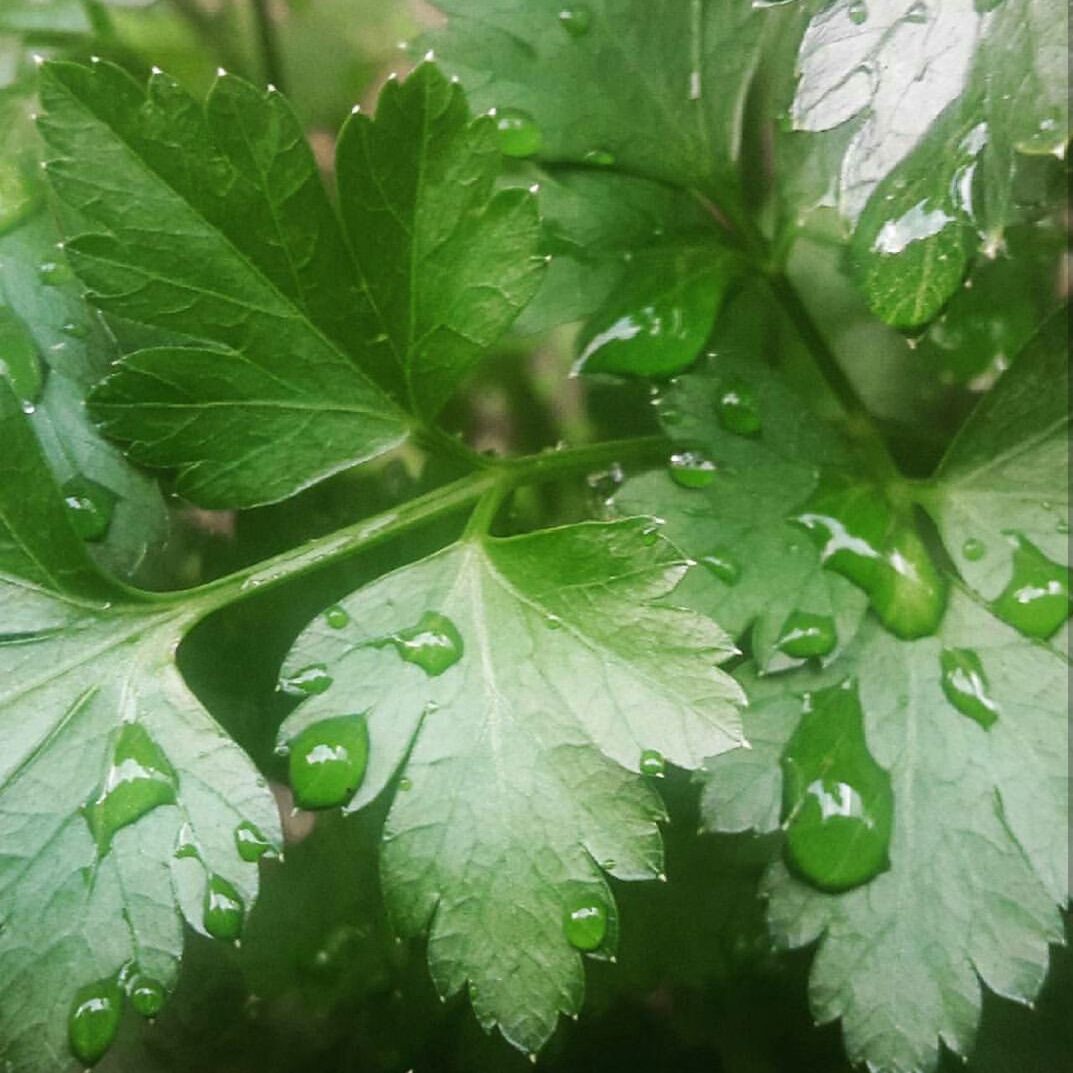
[(271, 62)]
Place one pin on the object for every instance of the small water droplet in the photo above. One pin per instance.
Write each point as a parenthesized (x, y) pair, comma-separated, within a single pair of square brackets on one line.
[(224, 912), (1036, 600), (94, 1020), (17, 194), (519, 135), (838, 804), (146, 995), (405, 783), (737, 410), (53, 273), (858, 12), (722, 566), (75, 330), (336, 617), (966, 685), (434, 644), (576, 20), (90, 507), (585, 923), (650, 534), (553, 622), (139, 779), (807, 636), (974, 550), (307, 681), (653, 764), (600, 158), (251, 842), (327, 761), (690, 469), (185, 844), (918, 14)]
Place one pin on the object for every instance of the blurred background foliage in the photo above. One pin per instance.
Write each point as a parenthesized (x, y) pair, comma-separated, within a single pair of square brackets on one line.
[(320, 982)]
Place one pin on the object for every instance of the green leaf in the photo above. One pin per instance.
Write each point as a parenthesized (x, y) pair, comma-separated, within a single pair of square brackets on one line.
[(121, 800), (513, 685), (653, 90), (229, 242), (1005, 479), (978, 855), (449, 262)]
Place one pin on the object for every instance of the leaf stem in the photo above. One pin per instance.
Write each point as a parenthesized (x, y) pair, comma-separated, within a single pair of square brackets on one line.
[(271, 61)]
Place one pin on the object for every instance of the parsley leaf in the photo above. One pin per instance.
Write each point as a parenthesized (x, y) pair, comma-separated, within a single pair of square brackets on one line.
[(517, 686)]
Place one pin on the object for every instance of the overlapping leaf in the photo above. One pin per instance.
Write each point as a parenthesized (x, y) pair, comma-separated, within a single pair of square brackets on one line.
[(123, 807), (516, 687)]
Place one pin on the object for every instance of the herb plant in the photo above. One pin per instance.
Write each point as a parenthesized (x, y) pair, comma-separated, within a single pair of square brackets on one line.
[(650, 422)]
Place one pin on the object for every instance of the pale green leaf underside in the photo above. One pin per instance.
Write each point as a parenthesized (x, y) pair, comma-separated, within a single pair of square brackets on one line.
[(520, 761), (979, 857)]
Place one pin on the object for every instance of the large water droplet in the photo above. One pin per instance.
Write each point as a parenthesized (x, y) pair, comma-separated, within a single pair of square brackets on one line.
[(723, 566), (737, 410), (862, 538), (974, 550), (576, 20), (139, 779), (1036, 600), (307, 681), (653, 764), (53, 273), (966, 685), (807, 636), (838, 805), (90, 507), (585, 923), (94, 1020), (858, 12), (691, 469), (327, 761), (19, 362), (519, 135), (224, 912), (434, 644), (337, 617), (251, 842), (146, 995)]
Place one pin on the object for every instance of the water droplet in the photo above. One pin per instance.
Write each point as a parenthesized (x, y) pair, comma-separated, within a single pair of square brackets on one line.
[(224, 911), (146, 995), (19, 362), (653, 763), (862, 538), (1036, 600), (1061, 526), (858, 12), (327, 761), (53, 273), (75, 330), (722, 566), (94, 1020), (599, 158), (984, 6), (90, 507), (307, 681), (915, 224), (434, 644), (650, 534), (690, 469), (966, 685), (17, 196), (185, 844), (918, 14), (585, 923), (250, 842), (519, 135), (736, 408), (405, 783), (838, 804), (807, 636), (553, 622), (337, 617), (576, 20), (139, 779), (974, 550)]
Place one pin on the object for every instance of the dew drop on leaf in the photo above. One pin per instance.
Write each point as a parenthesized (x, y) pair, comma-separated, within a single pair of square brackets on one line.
[(90, 507), (139, 779), (805, 635), (224, 911), (576, 20), (434, 644), (966, 685), (251, 842), (519, 135), (1036, 600), (19, 361), (75, 330), (917, 14), (974, 550), (837, 801), (307, 681), (585, 923), (16, 194), (690, 469), (736, 408), (858, 12), (53, 273), (653, 763), (600, 158), (146, 995), (722, 566), (337, 617), (327, 761), (94, 1020)]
